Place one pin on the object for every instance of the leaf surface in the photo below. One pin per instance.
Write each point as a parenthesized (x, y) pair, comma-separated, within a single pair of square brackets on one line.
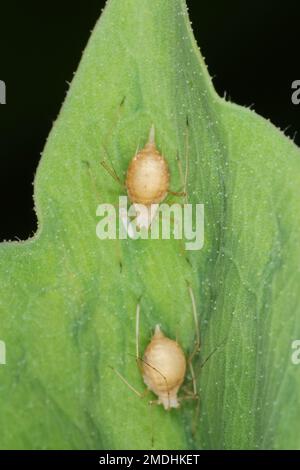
[(68, 299)]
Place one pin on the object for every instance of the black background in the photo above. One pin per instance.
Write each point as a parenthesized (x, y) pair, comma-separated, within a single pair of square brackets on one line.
[(251, 49)]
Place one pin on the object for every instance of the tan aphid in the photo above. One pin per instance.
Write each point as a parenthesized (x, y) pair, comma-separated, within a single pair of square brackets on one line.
[(163, 368), (148, 176), (164, 364)]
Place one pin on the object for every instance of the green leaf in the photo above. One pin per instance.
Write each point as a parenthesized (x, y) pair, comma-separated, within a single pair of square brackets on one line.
[(68, 300)]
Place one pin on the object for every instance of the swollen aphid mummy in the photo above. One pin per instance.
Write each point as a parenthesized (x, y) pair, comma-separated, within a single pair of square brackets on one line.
[(163, 368), (164, 365), (148, 176), (147, 181)]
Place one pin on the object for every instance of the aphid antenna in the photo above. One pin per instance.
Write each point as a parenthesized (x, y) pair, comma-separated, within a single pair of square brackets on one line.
[(137, 329), (92, 178), (109, 167), (115, 119), (139, 394), (156, 370), (213, 352), (112, 172), (138, 359), (122, 101), (204, 362), (196, 396)]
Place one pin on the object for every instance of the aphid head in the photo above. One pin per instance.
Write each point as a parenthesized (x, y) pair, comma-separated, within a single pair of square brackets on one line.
[(164, 367), (147, 180)]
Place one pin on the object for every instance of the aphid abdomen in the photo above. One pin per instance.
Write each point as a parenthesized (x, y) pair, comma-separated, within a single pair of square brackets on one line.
[(164, 367), (148, 176)]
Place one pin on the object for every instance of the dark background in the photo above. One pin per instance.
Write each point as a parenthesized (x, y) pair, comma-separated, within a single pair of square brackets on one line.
[(251, 49)]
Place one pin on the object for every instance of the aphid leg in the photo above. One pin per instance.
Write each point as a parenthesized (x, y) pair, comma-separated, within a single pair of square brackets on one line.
[(196, 321), (193, 394), (151, 403), (183, 175), (186, 391), (197, 411), (196, 417), (137, 336), (201, 366), (177, 193), (184, 180), (152, 425), (154, 402), (188, 396), (196, 349), (177, 222), (137, 329), (139, 394), (192, 371)]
